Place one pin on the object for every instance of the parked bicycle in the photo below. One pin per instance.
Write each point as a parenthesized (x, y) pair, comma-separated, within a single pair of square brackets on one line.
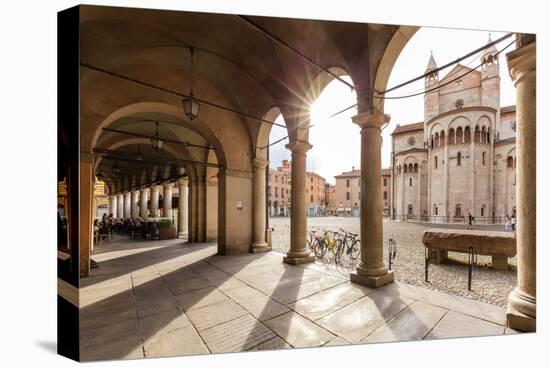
[(326, 242), (350, 244)]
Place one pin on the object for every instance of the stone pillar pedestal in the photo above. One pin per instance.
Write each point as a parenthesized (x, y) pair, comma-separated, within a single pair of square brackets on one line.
[(135, 208), (182, 208), (522, 306), (299, 253), (155, 200), (167, 200), (371, 271), (259, 243), (144, 197)]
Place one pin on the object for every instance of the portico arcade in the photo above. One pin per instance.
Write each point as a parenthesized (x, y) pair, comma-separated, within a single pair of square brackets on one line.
[(215, 162)]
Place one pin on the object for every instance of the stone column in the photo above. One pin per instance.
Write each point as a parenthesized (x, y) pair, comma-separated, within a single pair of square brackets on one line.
[(182, 208), (135, 207), (143, 202), (120, 206), (298, 253), (113, 205), (86, 201), (371, 271), (259, 220), (193, 213), (522, 311), (167, 200), (127, 205), (201, 209), (155, 200)]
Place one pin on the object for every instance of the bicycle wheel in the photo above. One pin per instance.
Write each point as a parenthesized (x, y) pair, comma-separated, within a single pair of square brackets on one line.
[(355, 249), (320, 248), (338, 250)]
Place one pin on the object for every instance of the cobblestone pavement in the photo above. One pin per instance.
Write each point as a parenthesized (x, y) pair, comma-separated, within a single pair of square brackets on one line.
[(488, 285)]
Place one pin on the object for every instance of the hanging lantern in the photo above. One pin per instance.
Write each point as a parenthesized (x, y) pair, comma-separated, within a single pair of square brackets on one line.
[(156, 140), (190, 105)]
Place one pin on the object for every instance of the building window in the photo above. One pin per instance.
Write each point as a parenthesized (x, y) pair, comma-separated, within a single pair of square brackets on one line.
[(410, 181), (483, 158), (348, 196), (385, 182), (276, 178), (510, 162), (405, 168), (347, 183), (276, 192), (435, 162), (435, 209), (458, 210), (459, 104), (385, 195), (410, 209), (483, 210), (411, 141), (467, 134), (311, 198), (416, 168), (459, 159)]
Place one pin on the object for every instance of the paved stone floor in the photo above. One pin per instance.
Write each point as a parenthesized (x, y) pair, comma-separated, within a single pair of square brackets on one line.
[(166, 298), (488, 285)]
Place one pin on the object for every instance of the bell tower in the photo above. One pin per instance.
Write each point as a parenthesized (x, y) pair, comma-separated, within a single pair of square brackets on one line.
[(431, 98), (490, 77)]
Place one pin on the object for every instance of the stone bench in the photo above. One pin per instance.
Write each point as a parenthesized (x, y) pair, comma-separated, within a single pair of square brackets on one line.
[(499, 245)]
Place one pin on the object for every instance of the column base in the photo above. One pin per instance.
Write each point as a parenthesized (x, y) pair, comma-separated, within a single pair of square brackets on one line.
[(299, 260), (259, 248), (372, 281), (519, 321)]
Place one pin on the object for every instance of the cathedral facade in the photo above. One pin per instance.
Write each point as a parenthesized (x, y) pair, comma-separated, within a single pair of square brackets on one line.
[(461, 158)]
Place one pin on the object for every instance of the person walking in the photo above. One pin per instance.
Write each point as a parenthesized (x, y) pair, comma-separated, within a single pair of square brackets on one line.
[(513, 222), (470, 221), (507, 223)]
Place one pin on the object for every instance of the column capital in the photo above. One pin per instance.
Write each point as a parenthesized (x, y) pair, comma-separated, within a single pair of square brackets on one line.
[(144, 189), (183, 181), (299, 146), (155, 188), (167, 184), (260, 163), (522, 61), (373, 118)]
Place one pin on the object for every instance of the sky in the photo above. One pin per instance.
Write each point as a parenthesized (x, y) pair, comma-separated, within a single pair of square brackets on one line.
[(336, 141)]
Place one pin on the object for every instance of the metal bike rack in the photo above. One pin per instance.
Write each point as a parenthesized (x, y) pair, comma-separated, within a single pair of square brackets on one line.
[(392, 252), (427, 257), (472, 260)]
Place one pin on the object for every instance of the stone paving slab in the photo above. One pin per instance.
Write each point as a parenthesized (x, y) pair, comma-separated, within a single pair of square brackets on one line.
[(329, 300), (237, 335), (178, 342), (200, 298), (107, 333), (187, 285), (214, 314), (457, 325), (259, 305), (359, 319), (154, 305), (413, 323), (162, 322), (274, 343), (298, 331), (128, 347)]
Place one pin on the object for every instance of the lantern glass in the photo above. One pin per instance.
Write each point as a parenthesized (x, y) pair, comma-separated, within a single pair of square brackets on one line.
[(191, 108)]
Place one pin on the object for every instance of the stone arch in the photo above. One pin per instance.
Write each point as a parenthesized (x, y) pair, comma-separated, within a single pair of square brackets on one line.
[(262, 138), (398, 41)]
